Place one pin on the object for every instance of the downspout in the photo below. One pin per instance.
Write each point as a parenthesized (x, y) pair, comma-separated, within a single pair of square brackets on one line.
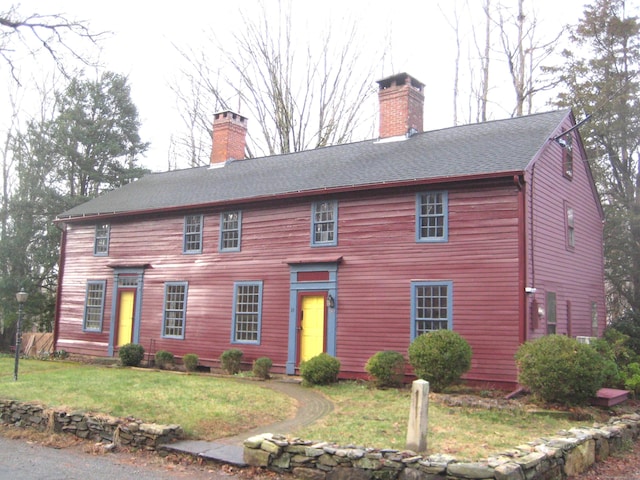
[(522, 254), (61, 263)]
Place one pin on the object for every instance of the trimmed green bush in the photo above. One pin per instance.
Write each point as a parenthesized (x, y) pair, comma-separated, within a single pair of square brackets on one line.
[(131, 354), (440, 357), (320, 370), (632, 378), (262, 367), (558, 369), (190, 361), (386, 368), (164, 359), (231, 360)]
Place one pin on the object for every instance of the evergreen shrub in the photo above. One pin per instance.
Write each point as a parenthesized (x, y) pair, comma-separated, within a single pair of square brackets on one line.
[(131, 354), (322, 369), (190, 361), (163, 359), (231, 360), (559, 369), (262, 367), (386, 368), (440, 357)]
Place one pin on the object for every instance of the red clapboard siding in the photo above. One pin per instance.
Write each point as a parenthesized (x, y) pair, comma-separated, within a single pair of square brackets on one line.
[(576, 274), (380, 259)]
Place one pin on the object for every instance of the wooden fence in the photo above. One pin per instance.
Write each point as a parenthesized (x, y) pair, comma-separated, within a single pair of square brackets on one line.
[(37, 344)]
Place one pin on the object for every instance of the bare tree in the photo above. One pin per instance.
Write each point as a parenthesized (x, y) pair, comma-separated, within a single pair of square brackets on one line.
[(299, 95), (53, 33), (525, 55)]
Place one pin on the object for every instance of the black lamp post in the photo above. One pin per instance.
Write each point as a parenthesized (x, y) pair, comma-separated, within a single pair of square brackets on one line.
[(21, 296)]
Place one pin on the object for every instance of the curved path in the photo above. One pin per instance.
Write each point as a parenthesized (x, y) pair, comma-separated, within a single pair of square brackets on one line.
[(311, 407)]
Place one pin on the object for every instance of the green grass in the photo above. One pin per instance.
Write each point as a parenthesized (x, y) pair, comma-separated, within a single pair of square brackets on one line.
[(369, 417), (206, 407), (209, 407)]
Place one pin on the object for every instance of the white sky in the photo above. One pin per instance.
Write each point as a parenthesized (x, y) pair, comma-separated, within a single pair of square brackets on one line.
[(420, 41)]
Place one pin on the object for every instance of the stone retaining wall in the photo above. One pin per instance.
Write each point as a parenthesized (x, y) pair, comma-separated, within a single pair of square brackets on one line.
[(126, 432), (568, 453)]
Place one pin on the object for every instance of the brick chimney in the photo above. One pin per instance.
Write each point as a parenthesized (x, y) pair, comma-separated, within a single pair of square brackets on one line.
[(401, 99), (229, 137)]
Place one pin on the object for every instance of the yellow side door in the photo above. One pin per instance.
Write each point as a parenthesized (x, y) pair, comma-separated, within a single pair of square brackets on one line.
[(125, 317), (312, 327)]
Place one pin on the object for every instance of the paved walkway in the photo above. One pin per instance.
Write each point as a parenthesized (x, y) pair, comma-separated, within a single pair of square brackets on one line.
[(311, 407)]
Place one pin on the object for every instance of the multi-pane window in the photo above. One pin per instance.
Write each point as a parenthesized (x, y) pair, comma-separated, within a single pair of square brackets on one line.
[(551, 313), (571, 240), (230, 229), (431, 307), (101, 242), (192, 242), (175, 309), (432, 217), (567, 156), (324, 223), (247, 312), (594, 319), (94, 305)]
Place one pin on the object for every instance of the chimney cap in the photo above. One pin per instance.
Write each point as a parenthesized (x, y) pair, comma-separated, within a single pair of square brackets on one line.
[(398, 80), (223, 114)]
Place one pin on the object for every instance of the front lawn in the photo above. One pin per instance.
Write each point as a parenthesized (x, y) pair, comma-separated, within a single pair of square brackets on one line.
[(206, 407), (210, 407)]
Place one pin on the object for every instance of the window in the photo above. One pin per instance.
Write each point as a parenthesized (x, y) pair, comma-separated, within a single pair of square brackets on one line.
[(551, 313), (324, 216), (175, 309), (230, 223), (432, 217), (431, 307), (192, 234), (247, 312), (101, 243), (94, 306), (571, 239), (567, 155), (594, 319)]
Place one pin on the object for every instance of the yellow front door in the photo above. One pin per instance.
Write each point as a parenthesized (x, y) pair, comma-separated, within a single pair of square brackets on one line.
[(312, 327), (125, 317)]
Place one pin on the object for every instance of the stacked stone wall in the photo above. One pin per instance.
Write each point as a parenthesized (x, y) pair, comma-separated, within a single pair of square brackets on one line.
[(99, 428), (556, 457)]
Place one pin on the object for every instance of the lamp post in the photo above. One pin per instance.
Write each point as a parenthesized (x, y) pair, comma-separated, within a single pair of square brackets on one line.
[(21, 297)]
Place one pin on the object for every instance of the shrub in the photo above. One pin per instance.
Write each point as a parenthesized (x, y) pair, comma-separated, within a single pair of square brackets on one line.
[(262, 367), (628, 324), (190, 361), (320, 370), (386, 368), (164, 359), (440, 357), (131, 354), (631, 376), (230, 360), (612, 371), (558, 369)]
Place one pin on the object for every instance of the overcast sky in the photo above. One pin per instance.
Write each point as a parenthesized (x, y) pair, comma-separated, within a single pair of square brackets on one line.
[(141, 45)]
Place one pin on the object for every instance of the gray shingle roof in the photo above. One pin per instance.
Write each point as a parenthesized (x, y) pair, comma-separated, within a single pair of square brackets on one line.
[(489, 148)]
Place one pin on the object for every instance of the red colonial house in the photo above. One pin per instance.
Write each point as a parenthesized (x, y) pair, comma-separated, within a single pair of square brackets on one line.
[(493, 230)]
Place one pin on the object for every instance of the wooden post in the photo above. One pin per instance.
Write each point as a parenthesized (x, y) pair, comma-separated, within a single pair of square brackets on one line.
[(418, 416)]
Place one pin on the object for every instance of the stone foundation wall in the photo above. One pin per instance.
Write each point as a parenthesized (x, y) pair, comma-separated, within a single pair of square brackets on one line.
[(126, 432), (565, 454)]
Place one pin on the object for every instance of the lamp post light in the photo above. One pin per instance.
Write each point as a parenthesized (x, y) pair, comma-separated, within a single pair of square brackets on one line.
[(21, 297)]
